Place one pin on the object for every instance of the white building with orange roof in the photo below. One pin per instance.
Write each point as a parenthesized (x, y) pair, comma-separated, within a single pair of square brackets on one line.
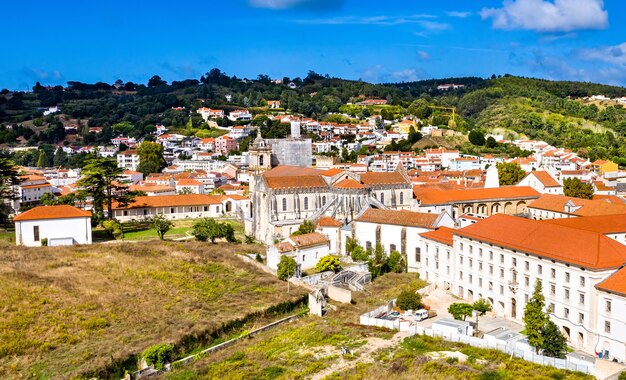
[(30, 189), (208, 113), (543, 182), (189, 186), (580, 263), (128, 159), (305, 249), (53, 226), (185, 206)]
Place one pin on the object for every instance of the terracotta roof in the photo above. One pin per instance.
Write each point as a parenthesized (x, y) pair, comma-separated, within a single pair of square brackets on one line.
[(172, 201), (327, 221), (331, 172), (35, 186), (609, 198), (287, 170), (429, 196), (151, 187), (349, 183), (616, 283), (574, 246), (401, 218), (545, 178), (442, 234), (189, 182), (605, 224), (236, 197), (587, 207), (384, 178), (302, 241), (52, 212), (303, 181)]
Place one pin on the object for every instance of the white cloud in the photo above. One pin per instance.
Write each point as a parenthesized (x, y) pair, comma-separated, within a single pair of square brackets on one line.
[(373, 20), (548, 16), (422, 55), (433, 26), (287, 4), (458, 14), (380, 74), (615, 54)]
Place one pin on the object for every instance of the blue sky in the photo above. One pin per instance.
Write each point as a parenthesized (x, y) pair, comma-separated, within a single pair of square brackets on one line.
[(377, 41)]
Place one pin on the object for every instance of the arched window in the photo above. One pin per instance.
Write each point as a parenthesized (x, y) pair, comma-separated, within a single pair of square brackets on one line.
[(261, 160), (306, 203), (382, 198), (284, 204), (401, 198)]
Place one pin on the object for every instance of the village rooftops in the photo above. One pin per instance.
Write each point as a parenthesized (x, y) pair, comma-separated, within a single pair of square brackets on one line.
[(52, 212), (430, 196), (172, 201), (401, 218), (584, 248)]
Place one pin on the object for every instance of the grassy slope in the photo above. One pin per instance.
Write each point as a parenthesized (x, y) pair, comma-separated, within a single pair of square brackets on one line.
[(66, 311), (312, 346)]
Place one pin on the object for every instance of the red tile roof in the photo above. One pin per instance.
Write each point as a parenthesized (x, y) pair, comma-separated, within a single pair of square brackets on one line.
[(52, 212), (556, 203), (302, 241), (616, 283), (442, 234), (545, 178), (173, 201), (574, 246), (349, 183), (327, 221), (401, 218), (384, 178), (433, 197)]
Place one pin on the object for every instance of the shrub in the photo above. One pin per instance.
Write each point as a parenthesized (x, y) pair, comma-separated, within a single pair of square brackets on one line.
[(409, 300), (161, 224), (306, 227), (258, 258), (113, 228), (396, 262), (44, 242), (359, 254), (328, 263), (158, 355), (460, 310)]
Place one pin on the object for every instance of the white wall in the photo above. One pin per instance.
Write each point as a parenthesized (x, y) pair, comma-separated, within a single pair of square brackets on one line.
[(79, 229)]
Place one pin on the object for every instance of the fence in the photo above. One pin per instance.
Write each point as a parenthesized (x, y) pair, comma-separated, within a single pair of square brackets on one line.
[(412, 328)]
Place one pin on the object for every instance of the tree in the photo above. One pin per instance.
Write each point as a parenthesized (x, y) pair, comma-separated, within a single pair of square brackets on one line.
[(476, 137), (554, 343), (481, 306), (159, 355), (48, 199), (491, 142), (43, 159), (409, 300), (359, 254), (286, 268), (161, 224), (535, 317), (328, 263), (396, 262), (414, 136), (460, 310), (150, 157), (510, 173), (8, 180), (156, 81), (306, 227), (574, 187), (101, 181), (206, 229)]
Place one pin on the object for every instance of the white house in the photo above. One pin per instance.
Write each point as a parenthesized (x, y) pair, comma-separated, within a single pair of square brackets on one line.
[(60, 225), (306, 249), (397, 230), (187, 206), (543, 182), (128, 159)]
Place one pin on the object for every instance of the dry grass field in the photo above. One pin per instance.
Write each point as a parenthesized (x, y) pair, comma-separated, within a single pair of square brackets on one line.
[(81, 311)]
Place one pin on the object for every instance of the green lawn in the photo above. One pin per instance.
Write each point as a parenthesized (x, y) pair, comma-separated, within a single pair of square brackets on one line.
[(8, 235), (179, 230)]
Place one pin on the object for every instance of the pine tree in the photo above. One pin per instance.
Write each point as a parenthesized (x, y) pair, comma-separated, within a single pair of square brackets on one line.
[(535, 317), (553, 341)]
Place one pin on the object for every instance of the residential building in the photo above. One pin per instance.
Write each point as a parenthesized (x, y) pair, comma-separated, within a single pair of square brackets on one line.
[(543, 182), (306, 249), (56, 225), (187, 206), (128, 159), (552, 206)]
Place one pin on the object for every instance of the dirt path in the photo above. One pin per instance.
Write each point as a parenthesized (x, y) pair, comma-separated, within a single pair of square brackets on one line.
[(364, 354)]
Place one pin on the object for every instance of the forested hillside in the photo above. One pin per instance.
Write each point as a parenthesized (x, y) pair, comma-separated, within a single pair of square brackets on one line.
[(509, 106)]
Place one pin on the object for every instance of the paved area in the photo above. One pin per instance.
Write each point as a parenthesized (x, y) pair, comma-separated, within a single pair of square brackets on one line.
[(439, 300)]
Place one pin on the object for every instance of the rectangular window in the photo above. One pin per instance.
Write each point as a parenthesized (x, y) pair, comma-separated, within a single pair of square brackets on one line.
[(527, 265), (539, 269), (566, 276), (426, 261), (501, 273), (490, 255), (448, 254), (36, 233), (566, 294), (461, 245), (553, 273), (171, 210), (581, 318), (469, 278), (514, 261), (392, 247), (491, 269), (471, 263), (490, 285), (526, 298), (448, 270), (480, 266), (552, 289), (461, 260), (501, 289), (607, 326), (480, 252), (206, 208), (461, 275), (502, 259), (581, 298), (565, 313), (551, 308), (480, 282), (471, 248), (607, 304), (526, 280), (582, 281), (368, 245)]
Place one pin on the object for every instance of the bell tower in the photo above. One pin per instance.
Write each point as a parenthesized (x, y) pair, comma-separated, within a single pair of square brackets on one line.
[(260, 154)]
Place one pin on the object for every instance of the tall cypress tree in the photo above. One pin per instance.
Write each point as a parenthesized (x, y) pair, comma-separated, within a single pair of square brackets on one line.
[(535, 318)]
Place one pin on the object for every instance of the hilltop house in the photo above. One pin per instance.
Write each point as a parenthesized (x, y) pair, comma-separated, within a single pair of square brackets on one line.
[(60, 225)]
